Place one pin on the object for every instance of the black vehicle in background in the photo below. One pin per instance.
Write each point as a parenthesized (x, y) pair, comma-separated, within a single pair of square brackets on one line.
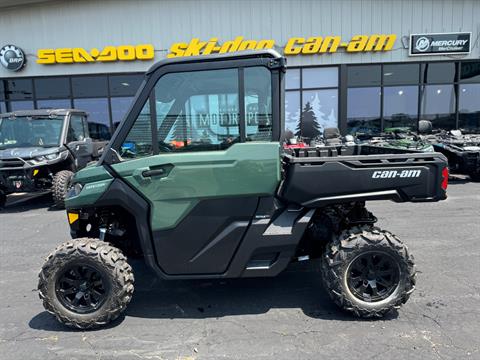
[(461, 150), (42, 149)]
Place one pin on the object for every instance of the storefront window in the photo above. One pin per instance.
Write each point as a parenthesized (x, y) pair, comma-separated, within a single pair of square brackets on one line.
[(96, 108), (3, 108), (438, 106), (368, 75), (363, 110), (469, 108), (54, 104), (119, 106), (320, 77), (18, 89), (400, 74), (51, 88), (89, 86), (21, 105), (470, 71), (292, 79), (124, 85), (319, 112), (400, 106), (436, 73), (292, 110)]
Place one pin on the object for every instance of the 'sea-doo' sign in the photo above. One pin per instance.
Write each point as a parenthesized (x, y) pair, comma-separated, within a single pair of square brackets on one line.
[(107, 54), (294, 45)]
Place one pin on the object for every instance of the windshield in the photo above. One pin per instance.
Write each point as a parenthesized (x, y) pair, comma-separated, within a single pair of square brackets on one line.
[(26, 131)]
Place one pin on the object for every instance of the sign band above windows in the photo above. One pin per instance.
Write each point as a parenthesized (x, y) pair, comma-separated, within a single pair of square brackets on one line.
[(440, 44)]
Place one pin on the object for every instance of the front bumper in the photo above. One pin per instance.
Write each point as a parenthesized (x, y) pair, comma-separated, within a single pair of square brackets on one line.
[(25, 179)]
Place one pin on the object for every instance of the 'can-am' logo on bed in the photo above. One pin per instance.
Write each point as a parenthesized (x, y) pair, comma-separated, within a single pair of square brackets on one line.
[(388, 174)]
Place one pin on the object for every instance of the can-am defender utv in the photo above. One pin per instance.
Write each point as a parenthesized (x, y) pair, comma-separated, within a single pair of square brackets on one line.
[(195, 182), (42, 149)]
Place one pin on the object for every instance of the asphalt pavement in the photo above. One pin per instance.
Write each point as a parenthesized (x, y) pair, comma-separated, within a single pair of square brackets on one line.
[(287, 317)]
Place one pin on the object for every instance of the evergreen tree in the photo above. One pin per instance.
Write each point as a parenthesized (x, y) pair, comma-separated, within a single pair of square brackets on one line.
[(308, 126)]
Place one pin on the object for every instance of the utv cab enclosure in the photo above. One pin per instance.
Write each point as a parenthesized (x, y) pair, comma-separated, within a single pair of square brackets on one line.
[(41, 149), (194, 181)]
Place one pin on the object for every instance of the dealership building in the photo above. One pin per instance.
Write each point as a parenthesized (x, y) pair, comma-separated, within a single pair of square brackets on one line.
[(362, 66)]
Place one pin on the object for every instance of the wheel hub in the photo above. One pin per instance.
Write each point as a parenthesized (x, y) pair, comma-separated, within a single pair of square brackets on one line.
[(373, 276), (81, 288)]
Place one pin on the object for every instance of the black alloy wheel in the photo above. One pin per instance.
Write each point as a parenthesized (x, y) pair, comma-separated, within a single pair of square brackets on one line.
[(81, 288), (373, 276)]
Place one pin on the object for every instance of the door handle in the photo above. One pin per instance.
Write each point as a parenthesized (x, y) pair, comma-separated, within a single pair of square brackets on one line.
[(155, 172)]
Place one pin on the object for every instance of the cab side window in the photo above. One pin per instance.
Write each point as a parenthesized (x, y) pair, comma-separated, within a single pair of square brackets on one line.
[(76, 128), (138, 142), (258, 104), (200, 111), (204, 115)]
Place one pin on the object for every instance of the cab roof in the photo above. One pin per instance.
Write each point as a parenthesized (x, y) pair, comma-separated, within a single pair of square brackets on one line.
[(246, 54), (42, 112)]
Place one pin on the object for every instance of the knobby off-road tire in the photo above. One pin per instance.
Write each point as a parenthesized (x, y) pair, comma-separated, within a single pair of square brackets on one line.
[(355, 247), (60, 183), (106, 260)]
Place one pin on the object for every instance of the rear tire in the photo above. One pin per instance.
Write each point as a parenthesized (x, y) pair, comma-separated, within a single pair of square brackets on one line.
[(61, 181), (86, 283), (368, 271)]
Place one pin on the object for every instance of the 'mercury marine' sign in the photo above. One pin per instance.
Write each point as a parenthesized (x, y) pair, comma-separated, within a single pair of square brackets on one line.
[(440, 44)]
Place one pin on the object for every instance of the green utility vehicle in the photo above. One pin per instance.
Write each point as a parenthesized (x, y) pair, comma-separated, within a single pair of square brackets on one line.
[(196, 183)]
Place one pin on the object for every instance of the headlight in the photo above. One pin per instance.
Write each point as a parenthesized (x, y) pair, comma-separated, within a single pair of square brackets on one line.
[(74, 190), (51, 156)]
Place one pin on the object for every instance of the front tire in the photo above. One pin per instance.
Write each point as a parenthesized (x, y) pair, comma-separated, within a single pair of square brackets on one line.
[(368, 271), (60, 183), (86, 283)]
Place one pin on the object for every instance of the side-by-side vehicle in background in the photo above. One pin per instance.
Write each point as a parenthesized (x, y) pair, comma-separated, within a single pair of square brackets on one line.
[(42, 149), (195, 181)]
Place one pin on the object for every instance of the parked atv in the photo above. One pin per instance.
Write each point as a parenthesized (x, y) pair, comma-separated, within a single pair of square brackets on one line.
[(461, 150), (399, 138), (229, 203), (42, 149)]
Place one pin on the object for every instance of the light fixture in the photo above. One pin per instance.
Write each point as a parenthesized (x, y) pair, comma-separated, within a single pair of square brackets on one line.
[(400, 92), (125, 84), (463, 90), (439, 91), (388, 74)]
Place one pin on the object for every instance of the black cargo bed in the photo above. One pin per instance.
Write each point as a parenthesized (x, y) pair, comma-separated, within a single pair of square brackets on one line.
[(316, 177)]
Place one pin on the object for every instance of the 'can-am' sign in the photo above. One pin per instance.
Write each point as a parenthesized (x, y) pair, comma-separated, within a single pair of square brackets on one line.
[(440, 44)]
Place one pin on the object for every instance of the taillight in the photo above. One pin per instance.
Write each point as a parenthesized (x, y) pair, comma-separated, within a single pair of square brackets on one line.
[(445, 178)]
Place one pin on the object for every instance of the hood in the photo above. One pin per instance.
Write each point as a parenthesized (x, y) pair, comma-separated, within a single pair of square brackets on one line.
[(27, 152)]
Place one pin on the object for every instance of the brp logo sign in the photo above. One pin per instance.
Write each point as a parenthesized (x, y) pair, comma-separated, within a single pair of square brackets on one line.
[(422, 44), (12, 58)]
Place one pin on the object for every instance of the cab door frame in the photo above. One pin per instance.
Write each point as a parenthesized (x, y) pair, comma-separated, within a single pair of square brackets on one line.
[(269, 59), (146, 93)]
